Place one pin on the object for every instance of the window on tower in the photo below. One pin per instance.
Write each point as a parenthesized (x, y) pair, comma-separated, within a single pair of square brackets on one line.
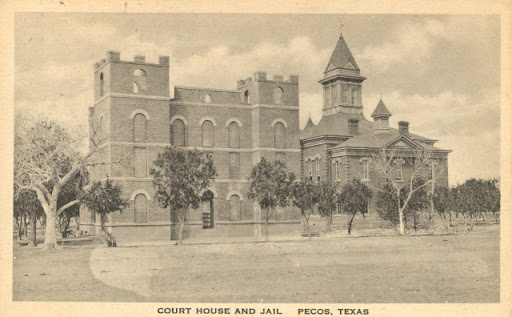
[(279, 135), (344, 94), (355, 94), (101, 85), (278, 95)]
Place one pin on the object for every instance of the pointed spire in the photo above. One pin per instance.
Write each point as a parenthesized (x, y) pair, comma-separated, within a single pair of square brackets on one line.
[(341, 57), (381, 110), (309, 123)]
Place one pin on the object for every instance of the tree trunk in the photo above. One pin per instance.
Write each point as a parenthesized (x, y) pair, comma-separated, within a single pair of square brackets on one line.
[(25, 225), (266, 225), (50, 237), (350, 223), (401, 216), (33, 221), (111, 241), (182, 226), (305, 224)]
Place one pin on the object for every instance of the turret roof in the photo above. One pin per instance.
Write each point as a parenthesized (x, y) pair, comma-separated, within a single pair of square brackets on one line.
[(341, 56), (381, 110)]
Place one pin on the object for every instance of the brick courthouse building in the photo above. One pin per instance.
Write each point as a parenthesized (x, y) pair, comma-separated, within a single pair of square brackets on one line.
[(134, 118)]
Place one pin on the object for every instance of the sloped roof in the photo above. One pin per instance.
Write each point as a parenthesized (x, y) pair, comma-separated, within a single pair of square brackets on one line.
[(335, 124), (379, 140), (341, 56), (381, 110)]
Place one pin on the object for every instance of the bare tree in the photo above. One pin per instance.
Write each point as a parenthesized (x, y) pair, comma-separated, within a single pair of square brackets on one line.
[(400, 168), (46, 157)]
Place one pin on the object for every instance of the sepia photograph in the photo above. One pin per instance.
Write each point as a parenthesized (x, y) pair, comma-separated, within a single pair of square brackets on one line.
[(230, 163)]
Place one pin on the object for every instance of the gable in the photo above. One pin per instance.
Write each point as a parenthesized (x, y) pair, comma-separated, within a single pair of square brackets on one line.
[(402, 143), (330, 67), (349, 66)]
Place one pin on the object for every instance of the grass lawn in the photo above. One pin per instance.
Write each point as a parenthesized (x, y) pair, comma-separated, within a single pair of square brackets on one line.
[(411, 269)]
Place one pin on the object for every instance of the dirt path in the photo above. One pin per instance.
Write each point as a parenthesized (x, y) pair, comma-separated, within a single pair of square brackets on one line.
[(439, 269)]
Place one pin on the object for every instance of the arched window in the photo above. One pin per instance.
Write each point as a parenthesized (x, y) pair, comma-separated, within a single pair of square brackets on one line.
[(234, 135), (247, 98), (279, 136), (139, 128), (207, 133), (234, 208), (101, 85), (135, 88), (139, 72), (278, 95), (178, 133), (208, 99), (141, 208)]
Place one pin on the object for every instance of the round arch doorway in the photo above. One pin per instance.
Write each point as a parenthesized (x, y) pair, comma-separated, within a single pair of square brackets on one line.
[(207, 210)]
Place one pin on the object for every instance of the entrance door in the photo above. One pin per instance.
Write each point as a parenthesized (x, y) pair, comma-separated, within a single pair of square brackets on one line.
[(207, 210)]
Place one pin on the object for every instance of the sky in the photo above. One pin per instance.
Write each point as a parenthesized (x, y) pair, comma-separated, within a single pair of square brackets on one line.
[(439, 72)]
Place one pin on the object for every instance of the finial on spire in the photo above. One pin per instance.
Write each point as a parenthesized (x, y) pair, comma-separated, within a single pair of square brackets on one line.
[(341, 26)]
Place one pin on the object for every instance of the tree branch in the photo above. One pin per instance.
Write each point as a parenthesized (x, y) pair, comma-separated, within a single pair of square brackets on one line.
[(66, 206)]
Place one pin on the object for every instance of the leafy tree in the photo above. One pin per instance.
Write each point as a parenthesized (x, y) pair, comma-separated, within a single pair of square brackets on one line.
[(387, 164), (104, 198), (179, 177), (493, 197), (354, 198), (305, 197), (270, 186), (46, 158), (328, 198), (25, 207), (442, 201)]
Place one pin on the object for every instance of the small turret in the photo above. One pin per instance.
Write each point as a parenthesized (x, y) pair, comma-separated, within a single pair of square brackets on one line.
[(380, 117)]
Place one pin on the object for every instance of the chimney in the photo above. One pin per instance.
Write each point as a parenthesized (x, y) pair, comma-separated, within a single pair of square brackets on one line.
[(403, 127)]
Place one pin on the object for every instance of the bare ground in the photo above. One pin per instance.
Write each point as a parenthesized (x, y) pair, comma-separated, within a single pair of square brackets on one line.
[(410, 269)]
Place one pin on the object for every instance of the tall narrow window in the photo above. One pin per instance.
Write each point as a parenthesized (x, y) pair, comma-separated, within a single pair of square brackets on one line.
[(178, 133), (234, 135), (430, 175), (139, 128), (310, 170), (337, 170), (135, 88), (366, 170), (328, 95), (140, 162), (141, 209), (399, 173), (334, 88), (207, 133), (344, 94), (317, 169), (234, 165), (101, 85), (278, 95), (247, 98), (279, 136), (234, 208), (355, 93)]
